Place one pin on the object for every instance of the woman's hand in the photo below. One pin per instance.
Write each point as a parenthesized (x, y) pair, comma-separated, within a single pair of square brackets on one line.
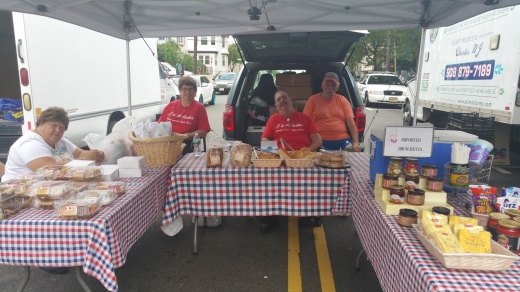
[(95, 155)]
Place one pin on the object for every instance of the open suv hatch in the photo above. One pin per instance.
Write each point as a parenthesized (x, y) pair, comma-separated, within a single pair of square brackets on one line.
[(314, 53)]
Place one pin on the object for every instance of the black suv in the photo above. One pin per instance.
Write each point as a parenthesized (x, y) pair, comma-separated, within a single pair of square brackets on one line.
[(314, 53)]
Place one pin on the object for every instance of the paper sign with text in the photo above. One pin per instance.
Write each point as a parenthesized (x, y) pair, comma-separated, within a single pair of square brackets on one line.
[(408, 141), (269, 145)]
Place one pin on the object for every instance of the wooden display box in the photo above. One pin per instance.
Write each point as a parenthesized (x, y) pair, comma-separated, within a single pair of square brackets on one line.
[(431, 199)]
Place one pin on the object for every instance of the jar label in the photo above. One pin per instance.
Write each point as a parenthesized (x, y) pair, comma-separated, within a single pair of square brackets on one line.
[(510, 242), (459, 179), (396, 199)]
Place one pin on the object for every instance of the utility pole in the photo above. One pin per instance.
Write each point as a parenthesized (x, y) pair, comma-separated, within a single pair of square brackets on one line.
[(195, 42), (388, 43)]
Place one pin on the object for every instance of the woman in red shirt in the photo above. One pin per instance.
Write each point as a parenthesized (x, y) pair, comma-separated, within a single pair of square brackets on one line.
[(187, 115)]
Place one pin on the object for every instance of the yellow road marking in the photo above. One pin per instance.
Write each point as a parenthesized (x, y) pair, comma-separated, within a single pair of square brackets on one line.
[(322, 253), (293, 266)]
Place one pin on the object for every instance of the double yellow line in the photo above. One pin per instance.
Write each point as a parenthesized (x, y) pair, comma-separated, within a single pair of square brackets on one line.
[(293, 266)]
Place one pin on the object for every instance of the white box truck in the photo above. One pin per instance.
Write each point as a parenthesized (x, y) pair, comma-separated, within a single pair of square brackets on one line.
[(46, 62), (473, 66)]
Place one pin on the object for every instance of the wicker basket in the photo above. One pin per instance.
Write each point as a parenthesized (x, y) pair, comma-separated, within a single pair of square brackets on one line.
[(498, 260), (299, 163), (159, 151), (266, 162), (482, 218)]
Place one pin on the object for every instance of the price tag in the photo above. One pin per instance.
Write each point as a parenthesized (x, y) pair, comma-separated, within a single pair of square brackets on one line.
[(239, 155)]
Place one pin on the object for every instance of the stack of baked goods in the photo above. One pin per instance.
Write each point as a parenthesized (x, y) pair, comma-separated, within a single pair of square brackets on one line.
[(298, 158), (334, 159), (266, 159)]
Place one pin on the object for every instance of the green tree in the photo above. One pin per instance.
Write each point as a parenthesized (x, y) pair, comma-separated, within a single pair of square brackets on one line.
[(187, 60), (233, 57), (169, 52)]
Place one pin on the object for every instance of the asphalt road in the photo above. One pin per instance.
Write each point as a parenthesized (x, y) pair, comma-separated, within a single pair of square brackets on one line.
[(232, 257)]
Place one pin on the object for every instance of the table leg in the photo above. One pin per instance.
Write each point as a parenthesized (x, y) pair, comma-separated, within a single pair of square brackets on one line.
[(81, 281), (358, 257), (26, 276), (195, 251)]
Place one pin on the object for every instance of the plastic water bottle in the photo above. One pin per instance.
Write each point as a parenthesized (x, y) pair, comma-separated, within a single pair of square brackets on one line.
[(196, 144)]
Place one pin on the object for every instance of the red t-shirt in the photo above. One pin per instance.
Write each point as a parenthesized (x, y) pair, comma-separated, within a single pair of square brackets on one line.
[(295, 130), (185, 119)]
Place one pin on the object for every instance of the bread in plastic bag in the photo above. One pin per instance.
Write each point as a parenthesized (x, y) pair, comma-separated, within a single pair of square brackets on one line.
[(240, 155)]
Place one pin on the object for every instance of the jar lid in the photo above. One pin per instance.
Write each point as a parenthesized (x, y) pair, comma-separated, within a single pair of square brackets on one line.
[(408, 212), (509, 223), (412, 175), (429, 165), (436, 178), (498, 216), (396, 158), (512, 212), (441, 210), (397, 187), (412, 159), (416, 191), (390, 176)]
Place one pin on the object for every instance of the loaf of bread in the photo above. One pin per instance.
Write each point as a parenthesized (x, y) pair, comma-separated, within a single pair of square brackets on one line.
[(240, 155), (331, 159)]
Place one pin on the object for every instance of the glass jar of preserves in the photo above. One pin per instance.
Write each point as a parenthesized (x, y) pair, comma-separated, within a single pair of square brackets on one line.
[(509, 235), (411, 166), (492, 223), (512, 213), (407, 217), (415, 197), (429, 170), (411, 181), (443, 211), (395, 166), (459, 176), (435, 184), (389, 181), (397, 194)]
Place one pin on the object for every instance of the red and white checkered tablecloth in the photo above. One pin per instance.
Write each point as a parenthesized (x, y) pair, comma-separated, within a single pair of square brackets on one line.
[(35, 238), (249, 191), (400, 260)]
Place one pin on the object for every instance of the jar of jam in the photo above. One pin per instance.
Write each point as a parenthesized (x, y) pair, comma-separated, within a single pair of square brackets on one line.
[(397, 194), (411, 166), (443, 211), (411, 181), (395, 166), (429, 170), (415, 197), (435, 184), (512, 213), (389, 181), (509, 235), (492, 223), (459, 176), (407, 217)]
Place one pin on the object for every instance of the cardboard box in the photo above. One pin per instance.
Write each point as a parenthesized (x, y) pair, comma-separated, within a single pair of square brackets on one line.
[(297, 93), (131, 162), (293, 79), (299, 104), (109, 172), (131, 172), (81, 163)]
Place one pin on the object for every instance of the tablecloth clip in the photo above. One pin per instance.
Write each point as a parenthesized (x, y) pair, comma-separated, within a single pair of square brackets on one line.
[(283, 142)]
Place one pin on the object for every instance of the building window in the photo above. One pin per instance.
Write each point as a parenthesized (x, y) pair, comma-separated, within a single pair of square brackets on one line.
[(224, 61), (180, 40), (205, 59), (223, 41), (204, 40), (213, 40)]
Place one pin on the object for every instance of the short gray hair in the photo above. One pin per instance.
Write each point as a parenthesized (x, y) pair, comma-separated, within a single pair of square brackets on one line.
[(281, 93)]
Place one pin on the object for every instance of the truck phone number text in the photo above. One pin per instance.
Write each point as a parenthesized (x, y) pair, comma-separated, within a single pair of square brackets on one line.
[(470, 71)]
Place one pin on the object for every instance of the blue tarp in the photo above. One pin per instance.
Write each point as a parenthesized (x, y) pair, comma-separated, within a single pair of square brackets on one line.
[(12, 109)]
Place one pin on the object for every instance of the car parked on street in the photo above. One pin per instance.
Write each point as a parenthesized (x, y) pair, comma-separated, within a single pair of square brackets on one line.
[(223, 82), (313, 53), (382, 88), (205, 92)]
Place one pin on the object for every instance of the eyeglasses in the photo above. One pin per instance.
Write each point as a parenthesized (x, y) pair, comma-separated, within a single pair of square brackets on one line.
[(189, 89)]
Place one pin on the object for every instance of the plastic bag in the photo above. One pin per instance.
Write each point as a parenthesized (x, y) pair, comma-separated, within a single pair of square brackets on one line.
[(125, 127), (258, 109), (114, 146)]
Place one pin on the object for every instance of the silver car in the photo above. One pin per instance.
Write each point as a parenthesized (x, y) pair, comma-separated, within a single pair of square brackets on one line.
[(223, 82)]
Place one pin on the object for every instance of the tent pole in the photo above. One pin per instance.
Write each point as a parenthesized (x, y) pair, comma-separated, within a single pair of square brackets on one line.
[(128, 80), (419, 76)]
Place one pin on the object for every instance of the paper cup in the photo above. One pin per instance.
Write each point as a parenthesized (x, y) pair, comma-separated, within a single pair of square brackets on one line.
[(480, 150)]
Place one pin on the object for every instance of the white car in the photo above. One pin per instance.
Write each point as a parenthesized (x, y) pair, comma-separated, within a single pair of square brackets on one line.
[(384, 88), (223, 82), (205, 92)]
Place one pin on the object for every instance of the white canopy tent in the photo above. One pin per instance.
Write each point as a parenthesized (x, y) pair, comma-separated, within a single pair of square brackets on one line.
[(130, 20)]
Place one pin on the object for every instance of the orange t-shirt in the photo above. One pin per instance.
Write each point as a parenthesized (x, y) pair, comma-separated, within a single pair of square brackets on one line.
[(330, 115)]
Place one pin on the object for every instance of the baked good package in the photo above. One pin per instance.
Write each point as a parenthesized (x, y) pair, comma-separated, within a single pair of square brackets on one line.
[(50, 190), (215, 156), (19, 186), (10, 209), (7, 196), (99, 197), (117, 187), (53, 172), (484, 198), (76, 209), (85, 173), (240, 155)]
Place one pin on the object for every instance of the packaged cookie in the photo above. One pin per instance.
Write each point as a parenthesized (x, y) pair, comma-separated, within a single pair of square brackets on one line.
[(77, 209), (82, 174), (53, 172), (117, 187), (10, 209), (78, 187), (19, 186), (32, 177), (49, 190), (7, 195), (46, 204), (100, 197)]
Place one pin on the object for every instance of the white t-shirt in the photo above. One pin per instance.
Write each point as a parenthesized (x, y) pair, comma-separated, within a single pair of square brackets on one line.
[(31, 146)]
